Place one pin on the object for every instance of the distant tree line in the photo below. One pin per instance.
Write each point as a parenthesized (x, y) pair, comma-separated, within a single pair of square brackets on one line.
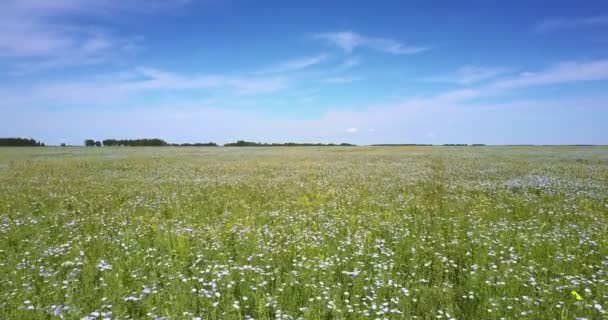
[(427, 145), (402, 145), (143, 143), (197, 144), (20, 142), (92, 143), (127, 143), (553, 145), (23, 142), (162, 143), (243, 143)]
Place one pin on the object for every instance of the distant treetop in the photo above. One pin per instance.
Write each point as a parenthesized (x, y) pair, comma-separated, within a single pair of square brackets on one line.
[(20, 142), (196, 144), (155, 142), (243, 143), (402, 145), (135, 142)]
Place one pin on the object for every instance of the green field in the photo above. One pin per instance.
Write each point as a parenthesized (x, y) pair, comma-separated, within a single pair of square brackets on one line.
[(311, 233)]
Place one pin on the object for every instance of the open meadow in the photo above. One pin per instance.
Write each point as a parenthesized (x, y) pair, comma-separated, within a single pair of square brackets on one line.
[(304, 232)]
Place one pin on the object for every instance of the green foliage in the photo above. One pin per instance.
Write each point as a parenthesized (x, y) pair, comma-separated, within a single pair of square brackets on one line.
[(242, 143), (196, 144), (20, 142), (89, 143), (401, 145), (135, 142)]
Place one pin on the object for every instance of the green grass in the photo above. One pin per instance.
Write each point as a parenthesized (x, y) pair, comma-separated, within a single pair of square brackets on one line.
[(312, 233)]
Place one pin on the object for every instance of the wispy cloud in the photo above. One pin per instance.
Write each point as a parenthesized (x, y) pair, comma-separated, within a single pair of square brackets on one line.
[(155, 79), (46, 8), (446, 115), (469, 74), (572, 23), (129, 86), (346, 79), (498, 80), (350, 62), (564, 72), (34, 34), (296, 64), (349, 41)]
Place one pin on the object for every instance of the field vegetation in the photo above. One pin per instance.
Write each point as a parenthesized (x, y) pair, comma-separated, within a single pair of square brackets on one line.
[(309, 233)]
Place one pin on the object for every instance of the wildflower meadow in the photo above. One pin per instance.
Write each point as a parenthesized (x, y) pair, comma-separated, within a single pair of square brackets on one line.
[(304, 233)]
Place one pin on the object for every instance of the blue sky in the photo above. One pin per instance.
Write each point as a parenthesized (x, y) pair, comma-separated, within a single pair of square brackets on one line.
[(495, 72)]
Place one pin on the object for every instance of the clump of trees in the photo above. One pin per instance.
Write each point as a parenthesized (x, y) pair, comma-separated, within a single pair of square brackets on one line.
[(294, 144), (135, 142), (197, 144), (402, 145), (92, 143), (20, 142), (143, 143), (243, 143)]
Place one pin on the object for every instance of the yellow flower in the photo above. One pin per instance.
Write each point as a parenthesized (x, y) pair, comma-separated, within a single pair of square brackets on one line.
[(576, 295)]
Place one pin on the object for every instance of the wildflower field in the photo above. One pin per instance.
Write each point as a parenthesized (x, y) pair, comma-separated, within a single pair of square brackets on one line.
[(309, 233)]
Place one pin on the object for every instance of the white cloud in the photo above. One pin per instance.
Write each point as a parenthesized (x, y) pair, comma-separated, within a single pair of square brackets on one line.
[(125, 87), (564, 72), (564, 24), (469, 74), (46, 8), (162, 80), (500, 79), (32, 38), (96, 44), (346, 79), (350, 62), (349, 41), (296, 64), (447, 115), (34, 34)]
